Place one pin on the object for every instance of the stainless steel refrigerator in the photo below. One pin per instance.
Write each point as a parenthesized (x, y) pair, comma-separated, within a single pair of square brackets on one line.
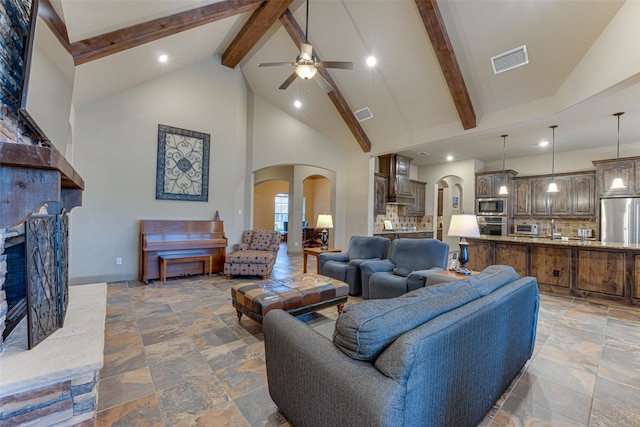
[(620, 220)]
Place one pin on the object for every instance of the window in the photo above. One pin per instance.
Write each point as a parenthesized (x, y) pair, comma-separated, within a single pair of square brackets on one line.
[(281, 217)]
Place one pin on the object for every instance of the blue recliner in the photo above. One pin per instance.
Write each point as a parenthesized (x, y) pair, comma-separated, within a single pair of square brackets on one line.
[(409, 264), (346, 266)]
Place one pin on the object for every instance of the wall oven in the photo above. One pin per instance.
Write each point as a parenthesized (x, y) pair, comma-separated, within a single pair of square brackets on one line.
[(493, 225), (491, 207)]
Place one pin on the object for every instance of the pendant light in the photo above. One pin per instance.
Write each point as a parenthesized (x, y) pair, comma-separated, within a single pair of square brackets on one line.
[(617, 183), (553, 187), (503, 188)]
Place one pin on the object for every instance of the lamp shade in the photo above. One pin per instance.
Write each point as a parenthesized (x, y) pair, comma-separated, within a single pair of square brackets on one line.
[(553, 188), (324, 221), (617, 184), (464, 225)]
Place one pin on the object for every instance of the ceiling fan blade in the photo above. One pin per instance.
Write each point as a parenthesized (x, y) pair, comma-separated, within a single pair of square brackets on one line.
[(306, 51), (323, 83), (275, 64), (289, 80), (345, 65)]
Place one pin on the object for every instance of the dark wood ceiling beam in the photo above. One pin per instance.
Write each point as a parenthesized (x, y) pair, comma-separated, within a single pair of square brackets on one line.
[(55, 24), (297, 35), (430, 14), (258, 24), (126, 38)]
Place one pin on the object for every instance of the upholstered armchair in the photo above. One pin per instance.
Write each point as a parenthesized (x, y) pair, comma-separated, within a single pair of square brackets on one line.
[(409, 264), (255, 255), (346, 266)]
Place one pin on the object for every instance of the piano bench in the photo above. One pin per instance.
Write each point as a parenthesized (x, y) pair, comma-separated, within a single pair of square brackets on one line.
[(205, 258)]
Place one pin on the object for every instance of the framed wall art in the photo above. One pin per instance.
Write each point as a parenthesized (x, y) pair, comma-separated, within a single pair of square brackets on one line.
[(182, 171)]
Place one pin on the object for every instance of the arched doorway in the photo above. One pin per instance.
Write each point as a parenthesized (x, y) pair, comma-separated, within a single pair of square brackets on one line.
[(449, 201), (304, 181)]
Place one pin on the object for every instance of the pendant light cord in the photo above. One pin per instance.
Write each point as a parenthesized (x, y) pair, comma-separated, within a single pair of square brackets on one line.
[(553, 149), (618, 149), (504, 150)]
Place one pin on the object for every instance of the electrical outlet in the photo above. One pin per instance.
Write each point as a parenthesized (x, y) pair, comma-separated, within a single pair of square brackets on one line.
[(296, 244), (119, 260)]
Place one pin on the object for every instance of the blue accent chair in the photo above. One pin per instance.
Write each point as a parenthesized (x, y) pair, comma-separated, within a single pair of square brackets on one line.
[(409, 264), (346, 266)]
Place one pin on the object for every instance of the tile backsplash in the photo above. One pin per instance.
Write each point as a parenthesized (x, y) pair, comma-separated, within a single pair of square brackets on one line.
[(421, 223), (568, 226)]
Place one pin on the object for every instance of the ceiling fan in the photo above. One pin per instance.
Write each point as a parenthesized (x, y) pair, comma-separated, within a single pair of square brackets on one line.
[(306, 66)]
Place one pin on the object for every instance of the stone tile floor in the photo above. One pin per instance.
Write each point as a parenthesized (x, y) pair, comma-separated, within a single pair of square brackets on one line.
[(176, 355)]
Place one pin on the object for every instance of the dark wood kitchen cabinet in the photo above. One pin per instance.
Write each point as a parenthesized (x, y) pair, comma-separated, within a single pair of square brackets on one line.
[(607, 170), (576, 196), (488, 183), (521, 197), (417, 208), (380, 182)]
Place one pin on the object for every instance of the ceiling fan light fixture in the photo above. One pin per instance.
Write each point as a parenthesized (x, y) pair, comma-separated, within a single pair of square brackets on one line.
[(306, 71)]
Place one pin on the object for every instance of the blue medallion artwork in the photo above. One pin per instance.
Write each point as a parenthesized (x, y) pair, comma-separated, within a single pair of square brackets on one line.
[(183, 165)]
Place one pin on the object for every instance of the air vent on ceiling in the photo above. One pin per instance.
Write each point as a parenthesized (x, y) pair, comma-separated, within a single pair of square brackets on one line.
[(363, 114), (509, 60)]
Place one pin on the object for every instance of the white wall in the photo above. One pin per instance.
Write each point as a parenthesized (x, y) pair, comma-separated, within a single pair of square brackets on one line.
[(115, 153), (280, 139), (570, 161)]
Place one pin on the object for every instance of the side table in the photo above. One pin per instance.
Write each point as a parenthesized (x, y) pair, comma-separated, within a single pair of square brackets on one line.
[(314, 252), (446, 276)]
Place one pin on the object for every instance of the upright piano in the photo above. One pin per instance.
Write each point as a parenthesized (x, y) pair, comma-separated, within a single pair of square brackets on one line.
[(178, 237)]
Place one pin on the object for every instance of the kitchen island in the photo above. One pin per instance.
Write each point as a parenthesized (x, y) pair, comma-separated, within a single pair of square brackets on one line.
[(574, 267)]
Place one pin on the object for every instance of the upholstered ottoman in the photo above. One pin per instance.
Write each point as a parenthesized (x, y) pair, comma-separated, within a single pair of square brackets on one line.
[(297, 295)]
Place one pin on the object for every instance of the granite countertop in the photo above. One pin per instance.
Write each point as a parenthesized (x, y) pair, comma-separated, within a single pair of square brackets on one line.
[(401, 230), (559, 242)]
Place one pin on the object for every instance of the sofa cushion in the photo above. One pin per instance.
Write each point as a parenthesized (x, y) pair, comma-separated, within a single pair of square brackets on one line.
[(401, 271), (492, 278), (365, 329)]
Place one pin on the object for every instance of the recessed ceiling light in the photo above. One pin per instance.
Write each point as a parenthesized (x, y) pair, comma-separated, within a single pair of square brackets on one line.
[(544, 143), (372, 61), (449, 157), (163, 58), (297, 103)]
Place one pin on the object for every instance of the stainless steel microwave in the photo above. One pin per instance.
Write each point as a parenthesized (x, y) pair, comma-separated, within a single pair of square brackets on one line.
[(491, 207), (526, 229)]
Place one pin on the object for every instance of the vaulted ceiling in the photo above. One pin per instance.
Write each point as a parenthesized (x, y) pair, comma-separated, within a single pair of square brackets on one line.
[(433, 89)]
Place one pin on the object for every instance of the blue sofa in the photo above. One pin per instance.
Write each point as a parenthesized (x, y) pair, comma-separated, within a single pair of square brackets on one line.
[(410, 262), (438, 356), (346, 266)]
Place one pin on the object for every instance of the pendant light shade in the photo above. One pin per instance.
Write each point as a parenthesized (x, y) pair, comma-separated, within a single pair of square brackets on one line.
[(553, 187), (503, 188), (617, 183)]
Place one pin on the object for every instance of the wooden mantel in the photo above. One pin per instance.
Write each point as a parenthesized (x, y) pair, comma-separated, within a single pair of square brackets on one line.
[(31, 176)]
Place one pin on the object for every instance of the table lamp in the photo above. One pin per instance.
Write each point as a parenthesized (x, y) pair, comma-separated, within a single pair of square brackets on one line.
[(324, 221), (463, 226)]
